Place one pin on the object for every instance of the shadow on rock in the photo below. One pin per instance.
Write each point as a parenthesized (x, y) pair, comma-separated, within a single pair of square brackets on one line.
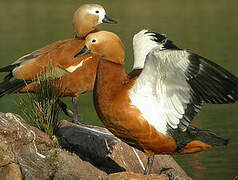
[(90, 144)]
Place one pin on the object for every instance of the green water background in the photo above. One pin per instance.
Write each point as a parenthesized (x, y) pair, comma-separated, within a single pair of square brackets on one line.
[(209, 28)]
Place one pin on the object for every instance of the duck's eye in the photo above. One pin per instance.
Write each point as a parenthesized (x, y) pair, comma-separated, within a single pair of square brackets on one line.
[(94, 40), (97, 11)]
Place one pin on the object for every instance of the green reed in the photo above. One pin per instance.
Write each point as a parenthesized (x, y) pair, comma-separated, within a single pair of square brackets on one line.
[(40, 109)]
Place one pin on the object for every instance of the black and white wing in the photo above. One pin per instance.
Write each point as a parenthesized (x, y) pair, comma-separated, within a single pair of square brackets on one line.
[(173, 85), (144, 41), (210, 82)]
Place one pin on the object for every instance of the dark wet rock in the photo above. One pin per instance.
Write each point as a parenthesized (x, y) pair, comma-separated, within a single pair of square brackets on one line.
[(78, 152)]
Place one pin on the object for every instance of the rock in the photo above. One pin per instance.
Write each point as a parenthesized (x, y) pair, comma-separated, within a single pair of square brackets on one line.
[(89, 152), (71, 167), (6, 155), (10, 172), (134, 176), (21, 144), (108, 153)]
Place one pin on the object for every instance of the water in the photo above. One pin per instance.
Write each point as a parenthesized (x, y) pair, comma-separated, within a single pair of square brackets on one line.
[(208, 28)]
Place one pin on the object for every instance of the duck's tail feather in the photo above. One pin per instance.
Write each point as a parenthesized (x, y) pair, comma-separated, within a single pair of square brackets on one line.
[(207, 137), (9, 68), (12, 86), (8, 77), (195, 139)]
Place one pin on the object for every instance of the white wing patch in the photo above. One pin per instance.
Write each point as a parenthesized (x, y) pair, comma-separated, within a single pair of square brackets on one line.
[(161, 92), (142, 45), (73, 68)]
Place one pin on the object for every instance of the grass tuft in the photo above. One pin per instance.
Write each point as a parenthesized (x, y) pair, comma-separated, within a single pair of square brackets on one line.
[(40, 109)]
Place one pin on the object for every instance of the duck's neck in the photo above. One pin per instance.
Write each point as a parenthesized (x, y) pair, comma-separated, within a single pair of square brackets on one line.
[(82, 31), (110, 78)]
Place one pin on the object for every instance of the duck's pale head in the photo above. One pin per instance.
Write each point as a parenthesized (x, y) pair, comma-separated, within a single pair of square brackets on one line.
[(105, 44), (87, 17)]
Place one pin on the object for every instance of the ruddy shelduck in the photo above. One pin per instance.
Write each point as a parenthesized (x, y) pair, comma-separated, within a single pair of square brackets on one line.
[(152, 110), (78, 74)]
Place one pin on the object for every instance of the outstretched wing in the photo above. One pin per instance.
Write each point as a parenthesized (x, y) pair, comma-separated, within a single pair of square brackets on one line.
[(144, 42), (176, 83), (210, 82)]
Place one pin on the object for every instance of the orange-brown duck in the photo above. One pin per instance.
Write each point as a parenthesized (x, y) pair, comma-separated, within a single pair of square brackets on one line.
[(78, 74), (152, 110)]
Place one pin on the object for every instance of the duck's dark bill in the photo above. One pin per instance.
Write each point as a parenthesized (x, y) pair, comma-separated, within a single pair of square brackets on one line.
[(108, 20), (84, 51)]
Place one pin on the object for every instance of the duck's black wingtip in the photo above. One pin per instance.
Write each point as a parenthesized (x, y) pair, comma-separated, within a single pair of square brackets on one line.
[(12, 86), (157, 36), (9, 68), (162, 38)]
